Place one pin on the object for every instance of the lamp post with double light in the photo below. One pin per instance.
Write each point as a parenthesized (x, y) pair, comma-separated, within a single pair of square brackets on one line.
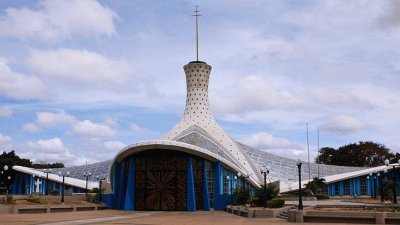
[(373, 180), (265, 171), (380, 180), (394, 180), (6, 180), (100, 178), (369, 178), (63, 175), (299, 163), (87, 175), (47, 180)]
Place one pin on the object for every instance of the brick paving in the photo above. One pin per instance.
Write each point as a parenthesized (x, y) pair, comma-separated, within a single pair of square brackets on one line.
[(137, 218)]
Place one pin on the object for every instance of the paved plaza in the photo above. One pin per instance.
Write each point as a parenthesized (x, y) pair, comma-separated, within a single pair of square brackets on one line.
[(136, 218)]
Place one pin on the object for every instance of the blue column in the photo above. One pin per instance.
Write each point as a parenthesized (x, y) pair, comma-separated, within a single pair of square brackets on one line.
[(54, 185), (351, 186), (31, 185), (329, 189), (218, 186), (121, 185), (42, 185), (358, 186), (116, 184), (369, 188), (190, 198), (129, 204), (206, 195), (341, 188)]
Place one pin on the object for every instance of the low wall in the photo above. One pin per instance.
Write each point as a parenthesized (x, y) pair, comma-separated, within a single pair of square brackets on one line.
[(49, 197), (17, 209), (258, 212), (368, 217), (296, 198)]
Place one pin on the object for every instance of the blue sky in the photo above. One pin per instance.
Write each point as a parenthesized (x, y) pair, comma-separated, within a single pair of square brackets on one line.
[(79, 80)]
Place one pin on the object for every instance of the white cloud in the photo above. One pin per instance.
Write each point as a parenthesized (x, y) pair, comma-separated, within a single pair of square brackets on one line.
[(266, 141), (5, 140), (30, 128), (256, 94), (136, 128), (51, 146), (392, 19), (342, 124), (5, 111), (330, 96), (49, 150), (14, 85), (114, 145), (79, 67), (54, 20), (90, 129), (50, 119)]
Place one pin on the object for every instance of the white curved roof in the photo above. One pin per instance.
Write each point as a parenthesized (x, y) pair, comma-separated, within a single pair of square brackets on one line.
[(294, 185), (70, 181), (178, 146)]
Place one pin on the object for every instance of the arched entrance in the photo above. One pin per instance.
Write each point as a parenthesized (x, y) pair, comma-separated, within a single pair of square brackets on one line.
[(161, 180)]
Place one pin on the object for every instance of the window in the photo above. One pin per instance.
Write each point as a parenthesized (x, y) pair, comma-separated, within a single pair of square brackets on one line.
[(210, 181), (225, 190), (346, 187), (337, 188), (363, 185)]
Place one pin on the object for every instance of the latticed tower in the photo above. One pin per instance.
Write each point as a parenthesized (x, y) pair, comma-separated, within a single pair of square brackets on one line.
[(198, 126)]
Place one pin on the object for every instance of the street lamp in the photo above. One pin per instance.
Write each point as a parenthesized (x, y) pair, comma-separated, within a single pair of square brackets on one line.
[(239, 175), (265, 172), (369, 182), (235, 178), (300, 207), (373, 180), (380, 185), (47, 180), (87, 175), (394, 180), (5, 168), (100, 179), (63, 183)]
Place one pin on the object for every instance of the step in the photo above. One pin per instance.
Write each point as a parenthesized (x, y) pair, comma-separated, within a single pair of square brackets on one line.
[(282, 217)]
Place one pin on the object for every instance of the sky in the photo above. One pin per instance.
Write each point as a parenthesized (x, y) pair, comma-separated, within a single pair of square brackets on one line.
[(80, 80)]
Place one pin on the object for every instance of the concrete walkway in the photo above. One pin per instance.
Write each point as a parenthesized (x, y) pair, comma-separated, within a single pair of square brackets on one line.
[(138, 218), (325, 202)]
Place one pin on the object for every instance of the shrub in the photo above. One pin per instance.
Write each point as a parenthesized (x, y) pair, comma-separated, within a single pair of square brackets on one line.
[(34, 199), (267, 193), (55, 192), (91, 197), (241, 196), (9, 199), (322, 196), (276, 203)]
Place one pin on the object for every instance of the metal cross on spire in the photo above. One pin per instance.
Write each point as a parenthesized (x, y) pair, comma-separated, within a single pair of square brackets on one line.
[(196, 14)]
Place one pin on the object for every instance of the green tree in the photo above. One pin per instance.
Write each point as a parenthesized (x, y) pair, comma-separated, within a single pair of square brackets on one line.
[(241, 196), (10, 159), (45, 165), (317, 185), (362, 154), (262, 194)]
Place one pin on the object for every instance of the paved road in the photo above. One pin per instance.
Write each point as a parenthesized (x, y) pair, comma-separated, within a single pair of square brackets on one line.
[(137, 218)]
